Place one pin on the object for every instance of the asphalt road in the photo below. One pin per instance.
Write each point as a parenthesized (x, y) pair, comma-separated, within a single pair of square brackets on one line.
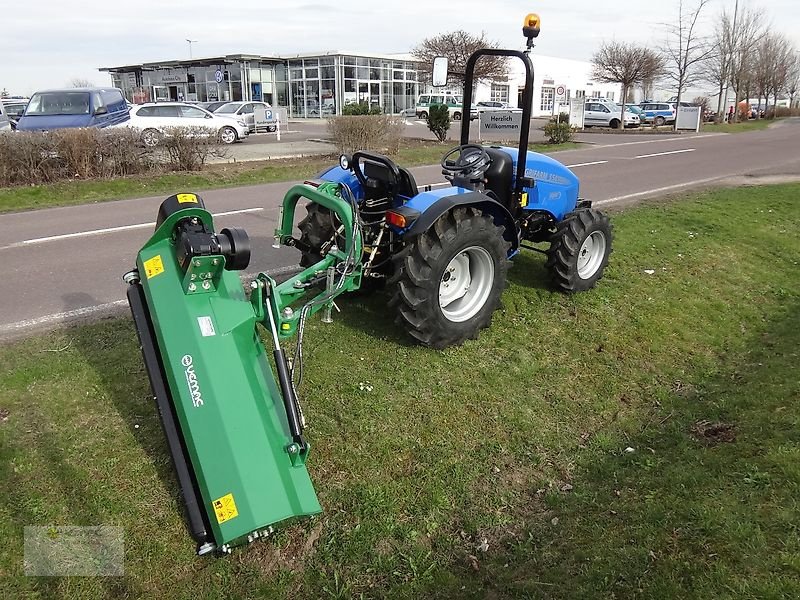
[(65, 264), (300, 130)]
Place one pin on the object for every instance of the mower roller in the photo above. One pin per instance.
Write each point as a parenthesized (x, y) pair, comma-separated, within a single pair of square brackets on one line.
[(233, 427)]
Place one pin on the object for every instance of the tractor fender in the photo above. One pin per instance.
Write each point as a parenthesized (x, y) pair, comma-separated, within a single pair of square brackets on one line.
[(445, 204)]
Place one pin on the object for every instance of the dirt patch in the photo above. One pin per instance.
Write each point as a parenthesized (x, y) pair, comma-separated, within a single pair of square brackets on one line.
[(291, 556), (4, 415), (714, 433)]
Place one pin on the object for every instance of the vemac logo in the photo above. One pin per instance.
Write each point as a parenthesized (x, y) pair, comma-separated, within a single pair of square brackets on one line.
[(191, 380)]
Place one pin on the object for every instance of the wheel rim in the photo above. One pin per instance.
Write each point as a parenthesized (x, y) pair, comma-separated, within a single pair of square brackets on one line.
[(227, 135), (466, 284), (591, 254)]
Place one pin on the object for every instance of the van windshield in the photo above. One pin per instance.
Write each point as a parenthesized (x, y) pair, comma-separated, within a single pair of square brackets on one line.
[(59, 103)]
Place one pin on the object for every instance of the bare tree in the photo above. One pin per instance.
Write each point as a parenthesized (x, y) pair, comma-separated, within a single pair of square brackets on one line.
[(80, 82), (457, 46), (746, 28), (794, 79), (685, 49), (626, 64), (716, 70), (781, 67)]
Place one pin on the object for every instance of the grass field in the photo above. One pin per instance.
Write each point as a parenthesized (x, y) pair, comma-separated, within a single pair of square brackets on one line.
[(753, 125), (637, 441), (77, 191)]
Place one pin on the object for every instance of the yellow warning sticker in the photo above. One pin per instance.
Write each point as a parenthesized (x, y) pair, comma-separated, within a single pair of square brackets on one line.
[(523, 199), (187, 198), (153, 266), (225, 508)]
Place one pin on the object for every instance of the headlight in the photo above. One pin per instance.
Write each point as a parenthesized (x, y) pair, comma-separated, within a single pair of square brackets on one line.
[(344, 162)]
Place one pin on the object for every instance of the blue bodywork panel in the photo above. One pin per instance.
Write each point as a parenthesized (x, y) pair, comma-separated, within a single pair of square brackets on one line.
[(421, 202), (556, 189), (338, 175)]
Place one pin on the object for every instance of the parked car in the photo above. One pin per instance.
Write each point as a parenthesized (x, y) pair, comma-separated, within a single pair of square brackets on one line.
[(212, 106), (606, 114), (14, 110), (5, 122), (244, 111), (658, 113), (451, 101), (635, 109), (489, 106), (75, 107), (155, 119)]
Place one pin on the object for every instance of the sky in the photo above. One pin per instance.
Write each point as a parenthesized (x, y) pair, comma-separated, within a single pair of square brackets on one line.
[(58, 42)]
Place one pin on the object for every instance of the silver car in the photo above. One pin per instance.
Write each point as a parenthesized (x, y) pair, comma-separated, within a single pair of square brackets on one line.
[(244, 111), (601, 113)]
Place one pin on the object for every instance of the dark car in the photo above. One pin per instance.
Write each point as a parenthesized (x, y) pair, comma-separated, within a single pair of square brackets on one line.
[(211, 106)]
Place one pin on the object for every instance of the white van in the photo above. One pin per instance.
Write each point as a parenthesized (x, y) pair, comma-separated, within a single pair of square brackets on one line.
[(454, 104)]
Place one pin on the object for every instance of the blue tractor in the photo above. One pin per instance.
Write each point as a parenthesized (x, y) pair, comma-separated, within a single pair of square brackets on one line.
[(445, 252)]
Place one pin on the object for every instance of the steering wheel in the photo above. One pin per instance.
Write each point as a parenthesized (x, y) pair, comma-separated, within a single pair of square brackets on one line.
[(472, 160)]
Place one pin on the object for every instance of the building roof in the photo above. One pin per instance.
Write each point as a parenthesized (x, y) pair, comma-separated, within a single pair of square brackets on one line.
[(233, 58), (193, 62)]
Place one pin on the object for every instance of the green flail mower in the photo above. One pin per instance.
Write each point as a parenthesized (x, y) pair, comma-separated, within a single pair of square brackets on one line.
[(235, 434)]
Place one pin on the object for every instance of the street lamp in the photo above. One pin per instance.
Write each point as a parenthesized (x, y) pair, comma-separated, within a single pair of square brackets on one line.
[(190, 47)]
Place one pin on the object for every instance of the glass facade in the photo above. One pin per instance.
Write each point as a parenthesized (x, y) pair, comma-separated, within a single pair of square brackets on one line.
[(314, 87)]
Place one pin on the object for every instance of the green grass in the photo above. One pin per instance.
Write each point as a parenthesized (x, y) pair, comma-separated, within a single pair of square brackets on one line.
[(68, 193), (518, 438), (754, 125)]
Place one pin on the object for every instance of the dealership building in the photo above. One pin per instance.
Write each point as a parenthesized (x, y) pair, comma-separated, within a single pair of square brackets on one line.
[(318, 85)]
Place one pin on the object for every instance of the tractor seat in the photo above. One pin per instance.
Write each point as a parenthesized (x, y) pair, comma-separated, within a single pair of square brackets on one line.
[(500, 177), (382, 177)]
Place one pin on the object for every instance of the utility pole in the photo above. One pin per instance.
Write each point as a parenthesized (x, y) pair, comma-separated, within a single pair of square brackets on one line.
[(195, 41)]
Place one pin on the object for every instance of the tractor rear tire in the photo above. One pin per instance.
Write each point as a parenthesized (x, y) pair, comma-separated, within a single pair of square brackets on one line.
[(579, 250), (316, 230), (463, 247)]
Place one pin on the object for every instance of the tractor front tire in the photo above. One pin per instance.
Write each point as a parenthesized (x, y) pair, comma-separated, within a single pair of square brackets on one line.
[(449, 279), (579, 250)]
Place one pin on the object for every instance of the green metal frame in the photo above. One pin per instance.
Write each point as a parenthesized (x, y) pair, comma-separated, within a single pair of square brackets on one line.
[(284, 295)]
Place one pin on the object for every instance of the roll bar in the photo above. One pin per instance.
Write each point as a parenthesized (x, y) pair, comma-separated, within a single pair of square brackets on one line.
[(527, 106)]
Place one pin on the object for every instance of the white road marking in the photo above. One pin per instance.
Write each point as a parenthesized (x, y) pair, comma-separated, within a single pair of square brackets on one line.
[(655, 141), (64, 236), (59, 317), (586, 164), (665, 153), (70, 315), (667, 188)]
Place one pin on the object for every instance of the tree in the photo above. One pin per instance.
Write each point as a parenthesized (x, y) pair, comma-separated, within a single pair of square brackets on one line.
[(685, 49), (746, 27), (439, 121), (80, 82), (794, 80), (458, 46), (626, 64)]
